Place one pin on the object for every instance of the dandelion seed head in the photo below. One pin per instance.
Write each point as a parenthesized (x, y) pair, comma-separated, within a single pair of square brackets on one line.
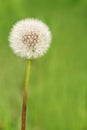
[(30, 38)]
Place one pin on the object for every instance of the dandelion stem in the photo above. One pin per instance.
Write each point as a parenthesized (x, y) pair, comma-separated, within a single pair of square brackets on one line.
[(25, 97)]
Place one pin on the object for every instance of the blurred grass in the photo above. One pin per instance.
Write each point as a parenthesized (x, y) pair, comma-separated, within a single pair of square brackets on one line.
[(58, 83)]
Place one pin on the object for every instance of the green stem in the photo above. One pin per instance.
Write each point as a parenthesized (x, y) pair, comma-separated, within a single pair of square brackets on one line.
[(25, 97)]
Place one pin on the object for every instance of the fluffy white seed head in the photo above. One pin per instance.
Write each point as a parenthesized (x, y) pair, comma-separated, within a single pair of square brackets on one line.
[(30, 38)]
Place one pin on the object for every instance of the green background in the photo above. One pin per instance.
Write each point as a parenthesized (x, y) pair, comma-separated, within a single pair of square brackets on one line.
[(58, 83)]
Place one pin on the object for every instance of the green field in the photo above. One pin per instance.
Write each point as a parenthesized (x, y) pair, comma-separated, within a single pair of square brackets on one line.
[(58, 83)]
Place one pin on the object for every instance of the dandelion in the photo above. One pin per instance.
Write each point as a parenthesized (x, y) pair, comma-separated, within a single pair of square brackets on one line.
[(29, 39)]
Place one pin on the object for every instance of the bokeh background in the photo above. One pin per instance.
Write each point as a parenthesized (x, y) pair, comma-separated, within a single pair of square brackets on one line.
[(58, 83)]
